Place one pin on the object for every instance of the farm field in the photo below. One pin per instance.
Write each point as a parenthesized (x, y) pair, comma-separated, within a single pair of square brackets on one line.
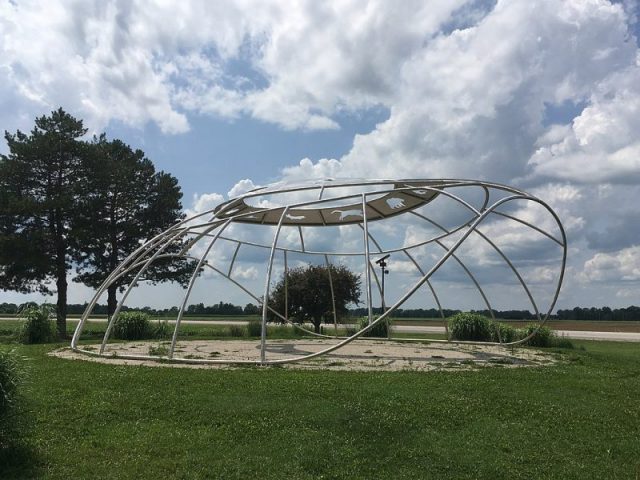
[(578, 325), (578, 419)]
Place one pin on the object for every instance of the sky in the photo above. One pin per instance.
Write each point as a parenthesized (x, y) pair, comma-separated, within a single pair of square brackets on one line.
[(543, 95)]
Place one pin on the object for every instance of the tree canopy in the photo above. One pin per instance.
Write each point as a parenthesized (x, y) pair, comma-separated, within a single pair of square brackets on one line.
[(125, 201), (39, 200), (305, 293), (65, 201)]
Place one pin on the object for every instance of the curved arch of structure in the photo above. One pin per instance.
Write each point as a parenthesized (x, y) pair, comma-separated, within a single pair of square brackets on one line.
[(372, 201)]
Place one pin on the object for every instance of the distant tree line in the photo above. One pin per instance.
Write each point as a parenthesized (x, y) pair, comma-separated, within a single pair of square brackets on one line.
[(435, 313), (222, 308), (600, 314)]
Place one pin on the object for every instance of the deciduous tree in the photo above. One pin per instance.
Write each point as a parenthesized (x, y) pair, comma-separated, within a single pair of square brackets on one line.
[(308, 293)]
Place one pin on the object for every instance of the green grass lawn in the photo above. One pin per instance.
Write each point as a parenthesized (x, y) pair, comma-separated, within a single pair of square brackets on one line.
[(579, 419)]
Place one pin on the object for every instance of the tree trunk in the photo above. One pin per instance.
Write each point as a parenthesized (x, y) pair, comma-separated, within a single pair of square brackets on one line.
[(112, 301), (316, 324), (61, 285)]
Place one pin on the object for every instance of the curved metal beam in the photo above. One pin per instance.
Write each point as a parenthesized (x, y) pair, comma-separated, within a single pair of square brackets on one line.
[(187, 294), (263, 335)]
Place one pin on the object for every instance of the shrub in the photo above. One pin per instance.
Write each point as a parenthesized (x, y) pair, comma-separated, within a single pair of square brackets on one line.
[(132, 326), (254, 328), (11, 376), (470, 326), (38, 327), (507, 332), (381, 330), (476, 327), (544, 337)]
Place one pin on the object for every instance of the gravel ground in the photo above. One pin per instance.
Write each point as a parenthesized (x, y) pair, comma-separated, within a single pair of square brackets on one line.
[(360, 355)]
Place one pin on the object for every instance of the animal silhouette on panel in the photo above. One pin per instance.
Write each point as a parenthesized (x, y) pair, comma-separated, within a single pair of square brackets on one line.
[(395, 203), (344, 214)]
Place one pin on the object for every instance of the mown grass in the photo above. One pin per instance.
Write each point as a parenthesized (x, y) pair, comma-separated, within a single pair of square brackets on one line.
[(579, 419), (94, 331)]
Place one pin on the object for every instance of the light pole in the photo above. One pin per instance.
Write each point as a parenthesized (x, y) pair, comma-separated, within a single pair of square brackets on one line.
[(383, 271)]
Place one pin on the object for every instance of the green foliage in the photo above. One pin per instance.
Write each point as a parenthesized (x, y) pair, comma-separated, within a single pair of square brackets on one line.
[(475, 327), (562, 342), (159, 350), (161, 329), (251, 309), (11, 377), (40, 183), (366, 420), (544, 336), (132, 326), (254, 328), (37, 326), (379, 331), (471, 327), (237, 331), (124, 202), (506, 332), (308, 293), (65, 200), (299, 332)]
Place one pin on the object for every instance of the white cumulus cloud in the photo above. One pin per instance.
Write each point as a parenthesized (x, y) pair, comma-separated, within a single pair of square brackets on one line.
[(621, 265)]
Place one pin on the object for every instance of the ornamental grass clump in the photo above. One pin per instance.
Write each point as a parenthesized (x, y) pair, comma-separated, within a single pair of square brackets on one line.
[(543, 337), (501, 332), (38, 326), (132, 326), (381, 330), (162, 329), (254, 328), (468, 326), (237, 331), (471, 327)]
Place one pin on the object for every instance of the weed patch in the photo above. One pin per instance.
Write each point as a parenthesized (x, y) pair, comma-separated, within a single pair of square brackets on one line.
[(159, 350)]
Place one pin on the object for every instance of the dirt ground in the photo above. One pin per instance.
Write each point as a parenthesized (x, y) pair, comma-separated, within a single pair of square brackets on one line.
[(360, 355)]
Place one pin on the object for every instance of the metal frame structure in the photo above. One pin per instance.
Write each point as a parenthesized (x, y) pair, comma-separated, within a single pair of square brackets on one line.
[(331, 203)]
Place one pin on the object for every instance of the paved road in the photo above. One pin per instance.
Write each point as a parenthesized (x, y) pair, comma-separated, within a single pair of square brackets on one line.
[(614, 336), (575, 334)]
